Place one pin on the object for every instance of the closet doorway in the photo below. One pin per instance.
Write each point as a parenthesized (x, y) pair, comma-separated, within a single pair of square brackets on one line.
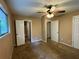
[(27, 31), (23, 32)]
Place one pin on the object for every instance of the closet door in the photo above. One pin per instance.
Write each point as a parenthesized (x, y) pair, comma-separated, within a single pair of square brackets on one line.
[(75, 32), (20, 32), (54, 30)]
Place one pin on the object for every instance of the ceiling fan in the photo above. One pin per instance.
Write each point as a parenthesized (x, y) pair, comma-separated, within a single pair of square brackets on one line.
[(51, 10)]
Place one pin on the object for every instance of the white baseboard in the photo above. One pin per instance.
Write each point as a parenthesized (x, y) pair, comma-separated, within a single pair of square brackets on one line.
[(36, 40), (44, 40), (11, 53), (65, 44)]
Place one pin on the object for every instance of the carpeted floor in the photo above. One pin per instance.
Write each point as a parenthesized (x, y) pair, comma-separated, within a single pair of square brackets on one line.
[(41, 50)]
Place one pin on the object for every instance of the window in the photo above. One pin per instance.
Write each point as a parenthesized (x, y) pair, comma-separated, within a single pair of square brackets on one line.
[(4, 29)]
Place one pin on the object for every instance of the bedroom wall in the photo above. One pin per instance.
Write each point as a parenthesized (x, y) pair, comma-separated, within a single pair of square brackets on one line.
[(6, 42), (65, 27), (36, 27)]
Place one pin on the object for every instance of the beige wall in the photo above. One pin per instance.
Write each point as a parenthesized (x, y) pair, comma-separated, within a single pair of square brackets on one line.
[(36, 27), (6, 44), (43, 27), (44, 21), (65, 27)]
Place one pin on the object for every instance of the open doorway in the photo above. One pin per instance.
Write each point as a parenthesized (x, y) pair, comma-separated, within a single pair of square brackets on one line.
[(52, 30), (27, 31), (48, 31), (23, 32)]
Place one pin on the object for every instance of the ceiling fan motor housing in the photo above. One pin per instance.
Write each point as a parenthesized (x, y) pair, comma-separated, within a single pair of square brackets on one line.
[(49, 11), (49, 7)]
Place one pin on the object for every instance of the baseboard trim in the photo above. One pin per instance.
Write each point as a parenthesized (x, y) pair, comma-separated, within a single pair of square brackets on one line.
[(11, 53), (44, 41), (65, 44), (36, 40)]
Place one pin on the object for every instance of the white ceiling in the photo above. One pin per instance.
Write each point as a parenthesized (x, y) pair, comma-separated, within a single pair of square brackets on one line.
[(30, 7)]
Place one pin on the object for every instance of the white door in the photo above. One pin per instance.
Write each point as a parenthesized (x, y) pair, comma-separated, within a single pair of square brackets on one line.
[(54, 30), (20, 32), (75, 32)]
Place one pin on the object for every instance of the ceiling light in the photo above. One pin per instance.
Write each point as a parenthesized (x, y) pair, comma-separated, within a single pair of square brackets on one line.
[(50, 15)]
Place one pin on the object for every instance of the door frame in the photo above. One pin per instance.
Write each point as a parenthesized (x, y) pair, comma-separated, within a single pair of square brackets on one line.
[(31, 27), (46, 30), (15, 30), (58, 31)]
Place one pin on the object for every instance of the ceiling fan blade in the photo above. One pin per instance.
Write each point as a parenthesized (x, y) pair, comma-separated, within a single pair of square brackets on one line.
[(40, 12), (61, 11), (52, 9)]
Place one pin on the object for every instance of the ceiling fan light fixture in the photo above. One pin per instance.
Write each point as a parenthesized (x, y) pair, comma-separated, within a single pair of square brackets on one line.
[(50, 15)]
